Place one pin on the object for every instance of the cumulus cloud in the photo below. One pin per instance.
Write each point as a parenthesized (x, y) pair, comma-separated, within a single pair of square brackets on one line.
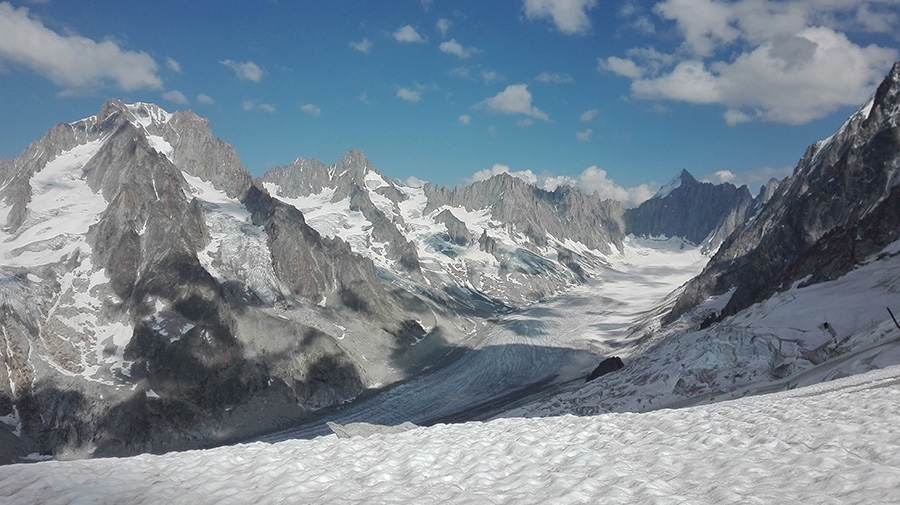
[(72, 61), (584, 136), (483, 175), (589, 115), (311, 110), (246, 70), (408, 34), (788, 62), (549, 78), (414, 182), (465, 119), (409, 95), (515, 99), (753, 179), (490, 77), (455, 48), (596, 180), (569, 16), (254, 105), (621, 66), (173, 65), (175, 97), (364, 46), (201, 98), (443, 25)]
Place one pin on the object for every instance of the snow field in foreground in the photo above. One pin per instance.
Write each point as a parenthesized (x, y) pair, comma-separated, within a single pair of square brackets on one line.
[(831, 443)]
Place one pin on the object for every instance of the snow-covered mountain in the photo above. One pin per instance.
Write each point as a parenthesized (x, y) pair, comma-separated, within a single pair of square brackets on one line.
[(838, 209), (153, 296), (502, 240)]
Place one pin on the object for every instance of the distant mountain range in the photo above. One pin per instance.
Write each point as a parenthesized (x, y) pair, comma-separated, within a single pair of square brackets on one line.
[(154, 296)]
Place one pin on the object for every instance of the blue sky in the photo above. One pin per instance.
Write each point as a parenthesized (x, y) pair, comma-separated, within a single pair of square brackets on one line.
[(616, 96)]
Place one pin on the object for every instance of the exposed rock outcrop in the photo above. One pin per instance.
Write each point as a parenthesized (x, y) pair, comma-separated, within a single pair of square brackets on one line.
[(838, 207)]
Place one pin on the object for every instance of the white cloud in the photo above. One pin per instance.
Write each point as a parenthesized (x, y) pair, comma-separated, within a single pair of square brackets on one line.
[(443, 25), (792, 80), (175, 97), (515, 99), (879, 21), (762, 60), (414, 93), (596, 180), (414, 182), (585, 136), (591, 180), (244, 70), (483, 175), (753, 179), (643, 25), (201, 98), (621, 66), (720, 177), (70, 60), (408, 34), (409, 95), (253, 105), (589, 115), (689, 81), (465, 119), (490, 77), (549, 78), (455, 48), (569, 16), (364, 46), (173, 65), (311, 110), (525, 123)]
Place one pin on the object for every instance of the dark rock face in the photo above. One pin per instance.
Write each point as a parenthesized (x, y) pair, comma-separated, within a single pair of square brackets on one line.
[(700, 213), (317, 268), (837, 207), (606, 366)]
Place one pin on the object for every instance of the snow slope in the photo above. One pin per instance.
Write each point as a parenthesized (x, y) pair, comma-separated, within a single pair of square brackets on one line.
[(835, 442)]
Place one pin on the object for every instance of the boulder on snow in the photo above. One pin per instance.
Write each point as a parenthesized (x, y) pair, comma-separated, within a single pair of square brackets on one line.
[(606, 366)]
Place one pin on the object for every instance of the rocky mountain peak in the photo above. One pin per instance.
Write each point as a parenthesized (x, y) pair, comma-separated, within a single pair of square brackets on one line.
[(701, 213), (837, 208), (683, 179)]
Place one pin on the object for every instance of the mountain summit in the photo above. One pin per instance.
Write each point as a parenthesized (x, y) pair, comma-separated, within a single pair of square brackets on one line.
[(839, 207), (701, 213)]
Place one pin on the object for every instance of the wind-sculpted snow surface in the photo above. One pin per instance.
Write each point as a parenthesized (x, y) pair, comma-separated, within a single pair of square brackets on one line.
[(832, 443)]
